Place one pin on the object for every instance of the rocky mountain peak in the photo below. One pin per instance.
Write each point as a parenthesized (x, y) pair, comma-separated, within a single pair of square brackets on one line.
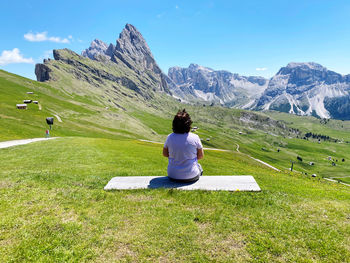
[(304, 89), (305, 66), (97, 47), (131, 56), (132, 43), (193, 66), (98, 44), (197, 67), (309, 72)]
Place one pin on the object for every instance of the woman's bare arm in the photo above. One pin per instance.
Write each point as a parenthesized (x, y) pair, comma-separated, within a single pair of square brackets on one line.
[(165, 152), (200, 154)]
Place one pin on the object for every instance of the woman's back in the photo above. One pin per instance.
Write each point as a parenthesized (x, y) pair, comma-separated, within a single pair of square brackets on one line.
[(182, 148)]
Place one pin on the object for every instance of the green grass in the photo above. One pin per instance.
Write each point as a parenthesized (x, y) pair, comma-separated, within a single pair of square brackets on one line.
[(344, 179), (84, 115), (337, 129), (80, 116), (53, 208)]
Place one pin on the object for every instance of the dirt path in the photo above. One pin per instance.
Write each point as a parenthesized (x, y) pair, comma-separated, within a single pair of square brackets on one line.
[(258, 160), (223, 150), (58, 118), (264, 163), (210, 149), (335, 181), (21, 142)]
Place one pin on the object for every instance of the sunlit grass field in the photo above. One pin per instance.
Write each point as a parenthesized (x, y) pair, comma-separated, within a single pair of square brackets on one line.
[(53, 209), (218, 127)]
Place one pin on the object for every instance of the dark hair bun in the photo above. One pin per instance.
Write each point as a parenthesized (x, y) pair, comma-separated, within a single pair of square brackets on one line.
[(182, 122)]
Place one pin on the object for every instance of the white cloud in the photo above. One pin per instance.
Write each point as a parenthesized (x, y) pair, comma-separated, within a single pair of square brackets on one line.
[(39, 37), (261, 69), (176, 7), (13, 56)]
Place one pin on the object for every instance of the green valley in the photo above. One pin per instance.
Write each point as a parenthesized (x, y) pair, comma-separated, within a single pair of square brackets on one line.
[(53, 207)]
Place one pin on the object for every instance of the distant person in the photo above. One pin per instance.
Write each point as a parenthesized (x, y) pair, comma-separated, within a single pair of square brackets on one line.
[(183, 150), (47, 133)]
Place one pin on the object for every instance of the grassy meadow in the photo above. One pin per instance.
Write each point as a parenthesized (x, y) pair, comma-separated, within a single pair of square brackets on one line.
[(53, 207)]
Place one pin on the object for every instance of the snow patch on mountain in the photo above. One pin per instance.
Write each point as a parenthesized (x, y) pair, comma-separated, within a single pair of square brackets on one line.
[(206, 96)]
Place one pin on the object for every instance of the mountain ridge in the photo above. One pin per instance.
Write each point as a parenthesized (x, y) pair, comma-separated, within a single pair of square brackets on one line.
[(302, 88), (128, 64), (198, 83)]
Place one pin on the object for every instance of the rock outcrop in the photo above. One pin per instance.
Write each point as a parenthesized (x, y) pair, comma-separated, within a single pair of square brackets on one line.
[(42, 72)]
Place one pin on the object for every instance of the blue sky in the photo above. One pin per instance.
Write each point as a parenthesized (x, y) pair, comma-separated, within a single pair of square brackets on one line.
[(245, 37)]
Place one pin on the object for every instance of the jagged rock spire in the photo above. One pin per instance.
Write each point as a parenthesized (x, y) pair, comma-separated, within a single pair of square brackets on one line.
[(97, 47), (133, 50)]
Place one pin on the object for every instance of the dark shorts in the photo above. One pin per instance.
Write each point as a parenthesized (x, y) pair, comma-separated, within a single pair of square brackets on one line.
[(185, 180), (190, 179)]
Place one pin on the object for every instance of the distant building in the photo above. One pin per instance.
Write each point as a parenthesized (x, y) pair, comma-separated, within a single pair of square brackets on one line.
[(30, 92), (27, 101), (35, 102), (21, 106)]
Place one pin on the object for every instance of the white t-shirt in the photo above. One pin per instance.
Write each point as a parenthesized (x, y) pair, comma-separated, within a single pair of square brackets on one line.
[(182, 149)]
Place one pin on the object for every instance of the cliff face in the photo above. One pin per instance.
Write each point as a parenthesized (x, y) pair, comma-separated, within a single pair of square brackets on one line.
[(42, 72), (298, 88), (198, 83), (306, 89), (128, 64)]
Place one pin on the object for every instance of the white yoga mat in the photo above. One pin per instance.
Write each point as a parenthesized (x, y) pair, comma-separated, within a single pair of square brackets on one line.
[(213, 183)]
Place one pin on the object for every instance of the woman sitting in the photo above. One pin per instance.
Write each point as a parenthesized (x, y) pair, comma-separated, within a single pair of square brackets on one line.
[(183, 150)]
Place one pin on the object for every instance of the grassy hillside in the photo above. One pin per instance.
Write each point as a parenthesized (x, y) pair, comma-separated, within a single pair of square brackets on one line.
[(257, 134), (53, 208), (334, 128), (80, 115)]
